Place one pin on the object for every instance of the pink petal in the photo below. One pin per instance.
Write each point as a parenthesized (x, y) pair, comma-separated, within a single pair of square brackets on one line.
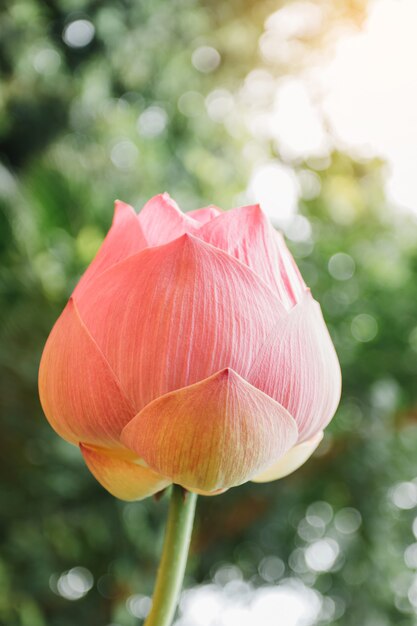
[(212, 435), (124, 238), (298, 366), (175, 314), (291, 461), (206, 214), (246, 234), (79, 393), (118, 471), (162, 220), (290, 274)]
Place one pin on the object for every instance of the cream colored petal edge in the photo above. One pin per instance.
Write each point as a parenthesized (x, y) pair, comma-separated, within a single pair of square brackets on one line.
[(119, 471), (291, 461)]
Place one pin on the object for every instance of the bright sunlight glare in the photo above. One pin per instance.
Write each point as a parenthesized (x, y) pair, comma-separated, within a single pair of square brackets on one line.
[(358, 95), (371, 93)]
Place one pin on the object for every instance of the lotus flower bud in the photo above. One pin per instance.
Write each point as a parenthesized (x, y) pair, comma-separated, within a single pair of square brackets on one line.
[(190, 352)]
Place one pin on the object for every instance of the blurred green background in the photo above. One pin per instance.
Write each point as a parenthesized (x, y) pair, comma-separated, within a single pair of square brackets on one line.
[(105, 100)]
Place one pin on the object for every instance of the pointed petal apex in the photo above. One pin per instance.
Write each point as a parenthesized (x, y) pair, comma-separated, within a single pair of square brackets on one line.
[(124, 239), (122, 211), (205, 214), (164, 319), (162, 220), (291, 461), (120, 474), (212, 435), (246, 234)]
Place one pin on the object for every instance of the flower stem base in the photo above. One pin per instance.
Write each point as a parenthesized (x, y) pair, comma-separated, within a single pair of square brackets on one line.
[(174, 557)]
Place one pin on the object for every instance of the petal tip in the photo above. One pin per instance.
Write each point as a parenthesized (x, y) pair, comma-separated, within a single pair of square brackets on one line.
[(165, 199), (256, 209), (161, 196), (188, 240), (121, 208), (227, 375), (253, 210), (213, 434)]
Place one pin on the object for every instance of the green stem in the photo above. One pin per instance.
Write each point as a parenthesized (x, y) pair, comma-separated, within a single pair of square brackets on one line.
[(174, 557)]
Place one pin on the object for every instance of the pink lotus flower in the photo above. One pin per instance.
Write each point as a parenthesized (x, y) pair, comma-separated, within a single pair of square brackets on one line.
[(190, 352)]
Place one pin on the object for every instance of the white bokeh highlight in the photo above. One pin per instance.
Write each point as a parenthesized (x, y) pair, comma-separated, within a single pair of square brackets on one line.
[(357, 93), (370, 93), (290, 603)]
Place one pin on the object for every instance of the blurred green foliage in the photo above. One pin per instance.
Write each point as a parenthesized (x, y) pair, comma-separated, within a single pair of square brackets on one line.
[(73, 137)]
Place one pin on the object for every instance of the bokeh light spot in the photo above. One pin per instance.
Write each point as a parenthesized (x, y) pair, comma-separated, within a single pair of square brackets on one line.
[(364, 327), (341, 266), (139, 605), (46, 61), (410, 556), (152, 122), (347, 521), (74, 584), (319, 512), (78, 33), (404, 495), (219, 104), (321, 555), (271, 568), (124, 155), (206, 59), (191, 104)]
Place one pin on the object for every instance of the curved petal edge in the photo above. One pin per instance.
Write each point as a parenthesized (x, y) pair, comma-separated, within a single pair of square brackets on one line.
[(120, 474), (162, 220), (124, 238), (291, 461), (246, 234), (79, 392), (298, 366)]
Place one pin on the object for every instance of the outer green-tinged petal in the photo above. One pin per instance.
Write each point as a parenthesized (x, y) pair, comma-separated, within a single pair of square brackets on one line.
[(79, 393), (162, 220), (298, 367), (173, 315), (118, 471), (216, 492), (124, 238), (246, 234), (291, 461), (212, 435)]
